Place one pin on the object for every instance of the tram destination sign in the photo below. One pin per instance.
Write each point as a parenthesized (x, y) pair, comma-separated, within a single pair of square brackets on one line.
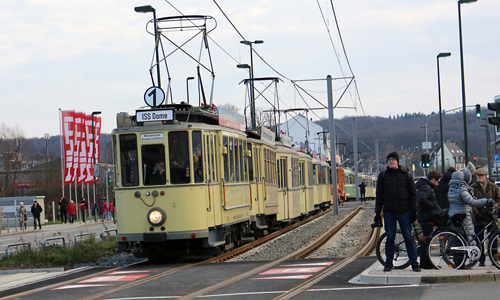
[(154, 115)]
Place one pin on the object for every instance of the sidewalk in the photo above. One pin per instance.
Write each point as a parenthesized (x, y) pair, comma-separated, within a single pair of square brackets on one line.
[(375, 275)]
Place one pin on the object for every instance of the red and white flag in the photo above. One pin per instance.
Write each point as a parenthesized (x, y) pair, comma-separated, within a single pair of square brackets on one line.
[(78, 146)]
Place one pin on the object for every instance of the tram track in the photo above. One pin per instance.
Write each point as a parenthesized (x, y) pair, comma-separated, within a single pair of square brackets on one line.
[(219, 258)]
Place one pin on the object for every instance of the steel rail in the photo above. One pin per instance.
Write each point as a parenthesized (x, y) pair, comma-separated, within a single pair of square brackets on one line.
[(256, 243), (327, 272), (259, 269)]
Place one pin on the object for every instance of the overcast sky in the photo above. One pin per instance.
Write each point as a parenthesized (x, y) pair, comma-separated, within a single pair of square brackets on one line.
[(95, 55)]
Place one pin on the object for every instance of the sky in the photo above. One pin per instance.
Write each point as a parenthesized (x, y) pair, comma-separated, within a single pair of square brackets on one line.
[(95, 55)]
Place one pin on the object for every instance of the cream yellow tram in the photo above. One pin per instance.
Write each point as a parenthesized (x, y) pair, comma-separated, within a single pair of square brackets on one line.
[(197, 187)]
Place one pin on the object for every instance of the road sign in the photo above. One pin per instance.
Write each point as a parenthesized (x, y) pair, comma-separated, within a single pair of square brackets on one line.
[(426, 145), (496, 157)]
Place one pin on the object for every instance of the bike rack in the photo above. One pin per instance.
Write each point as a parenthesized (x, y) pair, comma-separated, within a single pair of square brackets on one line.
[(17, 244), (50, 239), (108, 231), (81, 235)]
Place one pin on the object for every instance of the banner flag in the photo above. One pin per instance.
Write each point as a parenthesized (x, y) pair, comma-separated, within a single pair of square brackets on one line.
[(82, 146), (79, 146), (68, 126)]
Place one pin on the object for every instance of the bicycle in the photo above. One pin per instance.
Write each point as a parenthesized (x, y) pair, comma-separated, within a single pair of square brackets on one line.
[(401, 259), (449, 249)]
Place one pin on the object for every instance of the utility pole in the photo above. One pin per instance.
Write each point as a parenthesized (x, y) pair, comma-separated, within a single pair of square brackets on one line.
[(333, 159)]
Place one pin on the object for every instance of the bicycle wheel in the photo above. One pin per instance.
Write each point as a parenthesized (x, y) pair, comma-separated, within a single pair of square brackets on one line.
[(400, 260), (493, 250), (446, 250)]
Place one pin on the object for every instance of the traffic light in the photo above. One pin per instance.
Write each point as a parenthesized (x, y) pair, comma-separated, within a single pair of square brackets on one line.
[(475, 159), (495, 106), (478, 111), (425, 161)]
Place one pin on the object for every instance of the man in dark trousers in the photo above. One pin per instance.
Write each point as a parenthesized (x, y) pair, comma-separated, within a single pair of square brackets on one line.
[(63, 209), (483, 188), (36, 210), (397, 195), (362, 191), (426, 203)]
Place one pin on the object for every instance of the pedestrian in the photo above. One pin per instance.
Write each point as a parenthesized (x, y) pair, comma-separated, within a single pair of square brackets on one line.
[(102, 209), (483, 188), (36, 211), (71, 211), (95, 211), (472, 170), (83, 208), (397, 196), (441, 190), (426, 199), (111, 211), (63, 209), (362, 191), (22, 214), (461, 197)]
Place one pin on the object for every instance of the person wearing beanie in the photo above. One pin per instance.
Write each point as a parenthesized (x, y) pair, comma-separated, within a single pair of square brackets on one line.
[(483, 188), (397, 196), (461, 197), (472, 170)]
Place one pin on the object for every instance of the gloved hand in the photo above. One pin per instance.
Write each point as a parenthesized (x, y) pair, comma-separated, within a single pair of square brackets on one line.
[(490, 202), (479, 217), (413, 216), (377, 218)]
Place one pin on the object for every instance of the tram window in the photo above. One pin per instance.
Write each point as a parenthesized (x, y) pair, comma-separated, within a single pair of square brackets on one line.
[(310, 173), (178, 150), (231, 159), (197, 156), (153, 164), (250, 162), (212, 157), (302, 174), (128, 158), (237, 155), (279, 175), (242, 159), (226, 159), (115, 159)]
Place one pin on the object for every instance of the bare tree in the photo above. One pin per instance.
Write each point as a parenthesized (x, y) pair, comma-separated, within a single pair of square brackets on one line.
[(230, 107), (12, 142)]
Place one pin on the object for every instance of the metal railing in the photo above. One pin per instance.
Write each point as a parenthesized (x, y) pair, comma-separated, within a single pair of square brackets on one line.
[(107, 231), (81, 236), (54, 238), (16, 244)]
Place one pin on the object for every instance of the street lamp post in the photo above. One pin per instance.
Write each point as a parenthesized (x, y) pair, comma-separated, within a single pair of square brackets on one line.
[(46, 138), (464, 103), (187, 86), (93, 148), (444, 54), (146, 9), (246, 66), (435, 136), (252, 97)]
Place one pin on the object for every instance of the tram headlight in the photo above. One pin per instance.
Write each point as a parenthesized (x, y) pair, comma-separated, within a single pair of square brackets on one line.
[(156, 216)]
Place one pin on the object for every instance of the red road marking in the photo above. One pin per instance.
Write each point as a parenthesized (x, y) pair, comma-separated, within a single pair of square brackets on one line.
[(311, 264), (77, 286), (284, 277), (131, 272), (292, 270), (113, 278)]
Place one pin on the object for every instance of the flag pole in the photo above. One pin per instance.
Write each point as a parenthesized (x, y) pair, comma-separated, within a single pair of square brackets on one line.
[(62, 151)]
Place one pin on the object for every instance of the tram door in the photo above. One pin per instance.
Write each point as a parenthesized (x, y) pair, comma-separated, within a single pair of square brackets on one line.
[(211, 179), (283, 188)]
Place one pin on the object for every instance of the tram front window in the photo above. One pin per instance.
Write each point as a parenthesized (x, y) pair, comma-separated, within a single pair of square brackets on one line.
[(178, 149), (153, 164), (128, 158)]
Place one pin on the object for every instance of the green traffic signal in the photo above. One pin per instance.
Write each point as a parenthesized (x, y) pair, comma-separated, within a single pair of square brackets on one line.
[(478, 111)]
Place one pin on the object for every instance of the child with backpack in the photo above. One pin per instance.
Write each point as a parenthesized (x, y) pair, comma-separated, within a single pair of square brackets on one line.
[(102, 209)]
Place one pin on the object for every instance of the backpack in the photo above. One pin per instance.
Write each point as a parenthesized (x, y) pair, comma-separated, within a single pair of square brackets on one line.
[(101, 205)]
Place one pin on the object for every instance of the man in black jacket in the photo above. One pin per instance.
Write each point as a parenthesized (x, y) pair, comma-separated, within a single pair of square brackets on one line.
[(36, 210), (426, 202), (396, 194)]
